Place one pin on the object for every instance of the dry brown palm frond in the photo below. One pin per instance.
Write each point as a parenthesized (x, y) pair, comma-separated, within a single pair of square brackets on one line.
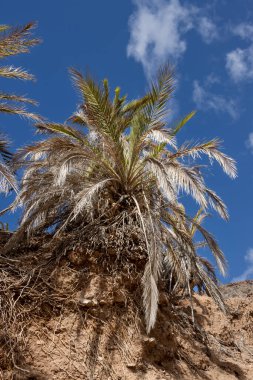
[(208, 267), (210, 286), (214, 247), (116, 179)]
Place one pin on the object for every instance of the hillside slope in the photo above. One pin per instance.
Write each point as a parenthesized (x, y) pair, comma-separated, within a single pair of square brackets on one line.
[(74, 319), (62, 349)]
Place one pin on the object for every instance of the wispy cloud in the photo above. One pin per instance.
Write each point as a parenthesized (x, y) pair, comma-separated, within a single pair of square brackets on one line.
[(158, 31), (248, 273), (249, 142), (244, 30), (207, 29), (239, 62), (205, 99)]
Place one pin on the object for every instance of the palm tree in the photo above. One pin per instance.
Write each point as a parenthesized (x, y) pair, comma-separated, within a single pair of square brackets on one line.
[(13, 41), (118, 176)]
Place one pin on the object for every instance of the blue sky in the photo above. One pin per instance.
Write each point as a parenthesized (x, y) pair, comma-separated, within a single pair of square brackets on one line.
[(211, 44)]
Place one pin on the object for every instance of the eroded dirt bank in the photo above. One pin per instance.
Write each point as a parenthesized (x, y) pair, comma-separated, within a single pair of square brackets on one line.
[(62, 322)]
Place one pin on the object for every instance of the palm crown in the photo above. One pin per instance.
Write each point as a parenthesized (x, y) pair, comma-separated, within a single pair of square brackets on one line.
[(120, 172), (13, 41)]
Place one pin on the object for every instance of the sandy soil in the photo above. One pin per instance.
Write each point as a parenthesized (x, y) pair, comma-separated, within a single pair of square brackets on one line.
[(82, 346), (98, 334)]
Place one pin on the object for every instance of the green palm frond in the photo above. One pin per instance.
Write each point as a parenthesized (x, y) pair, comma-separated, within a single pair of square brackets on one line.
[(63, 129), (182, 122), (161, 91)]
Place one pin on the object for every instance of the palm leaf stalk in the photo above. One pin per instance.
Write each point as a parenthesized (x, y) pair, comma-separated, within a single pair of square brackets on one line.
[(120, 172)]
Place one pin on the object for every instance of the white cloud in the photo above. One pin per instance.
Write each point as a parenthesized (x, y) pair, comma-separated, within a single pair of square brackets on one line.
[(205, 99), (248, 273), (249, 142), (207, 30), (239, 62), (158, 29), (244, 30)]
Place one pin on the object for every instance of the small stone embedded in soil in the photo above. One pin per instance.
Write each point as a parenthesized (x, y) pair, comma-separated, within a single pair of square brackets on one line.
[(150, 341), (119, 297), (131, 365), (40, 342), (88, 302), (60, 330)]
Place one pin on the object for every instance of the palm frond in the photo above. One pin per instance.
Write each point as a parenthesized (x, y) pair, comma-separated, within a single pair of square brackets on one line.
[(213, 246), (7, 179), (182, 122), (20, 111), (210, 149), (217, 204), (15, 73), (211, 287), (17, 98), (62, 129), (14, 41), (4, 152)]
